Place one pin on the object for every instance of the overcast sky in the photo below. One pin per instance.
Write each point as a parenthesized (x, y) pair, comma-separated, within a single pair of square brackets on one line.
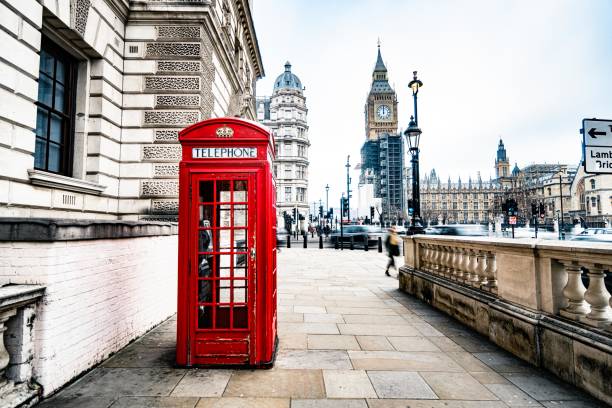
[(527, 71)]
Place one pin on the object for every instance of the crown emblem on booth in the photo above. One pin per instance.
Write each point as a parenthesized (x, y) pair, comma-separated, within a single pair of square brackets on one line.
[(225, 131)]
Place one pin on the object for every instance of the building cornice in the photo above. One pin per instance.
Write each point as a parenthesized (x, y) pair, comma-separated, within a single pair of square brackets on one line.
[(246, 18)]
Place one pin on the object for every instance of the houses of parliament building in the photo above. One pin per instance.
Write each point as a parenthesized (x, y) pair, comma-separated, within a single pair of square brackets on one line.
[(480, 202)]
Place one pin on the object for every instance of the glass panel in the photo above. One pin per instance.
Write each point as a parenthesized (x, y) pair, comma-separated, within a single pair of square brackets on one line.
[(223, 317), (206, 191), (224, 215), (59, 97), (224, 291), (239, 240), (45, 90), (204, 243), (223, 191), (224, 265), (40, 154), (240, 293), (56, 128), (240, 216), (225, 240), (60, 72), (46, 63), (240, 270), (42, 123), (240, 190), (54, 158), (204, 317), (206, 216)]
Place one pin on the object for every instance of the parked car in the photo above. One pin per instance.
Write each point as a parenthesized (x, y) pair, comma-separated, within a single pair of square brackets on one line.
[(474, 230), (358, 233)]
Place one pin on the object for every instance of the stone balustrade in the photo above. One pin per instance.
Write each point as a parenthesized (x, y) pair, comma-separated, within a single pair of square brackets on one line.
[(554, 273), (548, 302), (17, 312)]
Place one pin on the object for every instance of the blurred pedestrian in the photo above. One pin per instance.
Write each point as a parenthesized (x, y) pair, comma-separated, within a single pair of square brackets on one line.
[(392, 245)]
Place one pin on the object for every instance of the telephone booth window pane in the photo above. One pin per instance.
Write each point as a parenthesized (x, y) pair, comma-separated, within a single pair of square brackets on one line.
[(240, 191), (204, 317), (224, 291), (240, 216), (206, 216), (205, 244), (224, 193), (239, 290), (240, 270), (224, 263), (223, 317), (225, 240), (239, 240), (224, 216), (207, 191)]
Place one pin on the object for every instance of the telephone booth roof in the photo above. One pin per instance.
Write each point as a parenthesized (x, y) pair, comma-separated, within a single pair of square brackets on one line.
[(217, 129)]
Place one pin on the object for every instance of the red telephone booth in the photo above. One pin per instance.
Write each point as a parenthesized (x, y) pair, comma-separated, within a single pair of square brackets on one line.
[(227, 245)]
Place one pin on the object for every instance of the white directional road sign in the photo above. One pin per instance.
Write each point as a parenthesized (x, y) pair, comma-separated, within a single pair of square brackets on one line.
[(597, 144)]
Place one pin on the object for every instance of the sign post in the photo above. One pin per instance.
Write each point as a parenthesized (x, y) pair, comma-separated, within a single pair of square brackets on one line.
[(597, 145)]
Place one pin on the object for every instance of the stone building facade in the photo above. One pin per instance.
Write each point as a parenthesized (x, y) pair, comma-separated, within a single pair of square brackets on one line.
[(381, 180), (477, 201), (285, 113), (94, 93)]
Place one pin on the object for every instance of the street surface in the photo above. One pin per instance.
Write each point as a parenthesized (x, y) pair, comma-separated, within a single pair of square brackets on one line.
[(348, 339)]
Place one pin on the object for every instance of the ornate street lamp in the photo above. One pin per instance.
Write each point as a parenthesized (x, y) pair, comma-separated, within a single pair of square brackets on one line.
[(413, 136), (415, 84)]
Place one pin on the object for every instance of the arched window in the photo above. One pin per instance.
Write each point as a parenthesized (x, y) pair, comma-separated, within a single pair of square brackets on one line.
[(592, 184)]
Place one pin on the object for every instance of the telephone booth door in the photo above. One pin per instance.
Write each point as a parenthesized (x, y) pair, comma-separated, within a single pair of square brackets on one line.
[(223, 289)]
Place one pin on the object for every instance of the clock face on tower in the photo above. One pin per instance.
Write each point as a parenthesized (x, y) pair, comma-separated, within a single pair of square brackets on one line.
[(383, 112)]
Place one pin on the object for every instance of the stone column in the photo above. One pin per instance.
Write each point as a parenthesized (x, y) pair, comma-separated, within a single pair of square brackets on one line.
[(597, 296), (573, 291), (4, 355)]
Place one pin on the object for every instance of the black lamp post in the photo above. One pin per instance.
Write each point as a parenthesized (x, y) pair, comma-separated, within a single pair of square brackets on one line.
[(327, 201), (413, 135)]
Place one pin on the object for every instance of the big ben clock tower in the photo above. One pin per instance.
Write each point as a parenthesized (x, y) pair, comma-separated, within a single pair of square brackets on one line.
[(381, 105)]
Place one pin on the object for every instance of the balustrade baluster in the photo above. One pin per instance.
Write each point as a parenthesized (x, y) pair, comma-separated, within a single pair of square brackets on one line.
[(479, 268), (574, 291), (460, 263), (453, 263), (436, 259), (470, 266), (444, 261), (490, 273), (4, 355), (597, 297), (430, 254)]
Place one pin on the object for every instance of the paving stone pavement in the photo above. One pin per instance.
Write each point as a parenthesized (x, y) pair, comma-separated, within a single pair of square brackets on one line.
[(348, 339)]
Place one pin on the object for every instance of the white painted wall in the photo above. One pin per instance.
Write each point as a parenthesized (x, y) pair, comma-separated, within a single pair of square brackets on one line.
[(100, 295)]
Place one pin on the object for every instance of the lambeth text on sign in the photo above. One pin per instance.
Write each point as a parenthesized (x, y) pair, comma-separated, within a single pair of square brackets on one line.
[(598, 159), (224, 152)]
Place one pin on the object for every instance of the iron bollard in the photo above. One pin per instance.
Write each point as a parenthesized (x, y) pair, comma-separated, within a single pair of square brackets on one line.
[(366, 243), (380, 244), (336, 246), (305, 241), (352, 243), (312, 233), (289, 241), (321, 242)]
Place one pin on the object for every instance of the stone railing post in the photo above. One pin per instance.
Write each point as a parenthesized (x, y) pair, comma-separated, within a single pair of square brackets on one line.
[(425, 259), (470, 266), (453, 262), (435, 259), (574, 291), (479, 268), (490, 272), (597, 297), (4, 355), (460, 263)]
